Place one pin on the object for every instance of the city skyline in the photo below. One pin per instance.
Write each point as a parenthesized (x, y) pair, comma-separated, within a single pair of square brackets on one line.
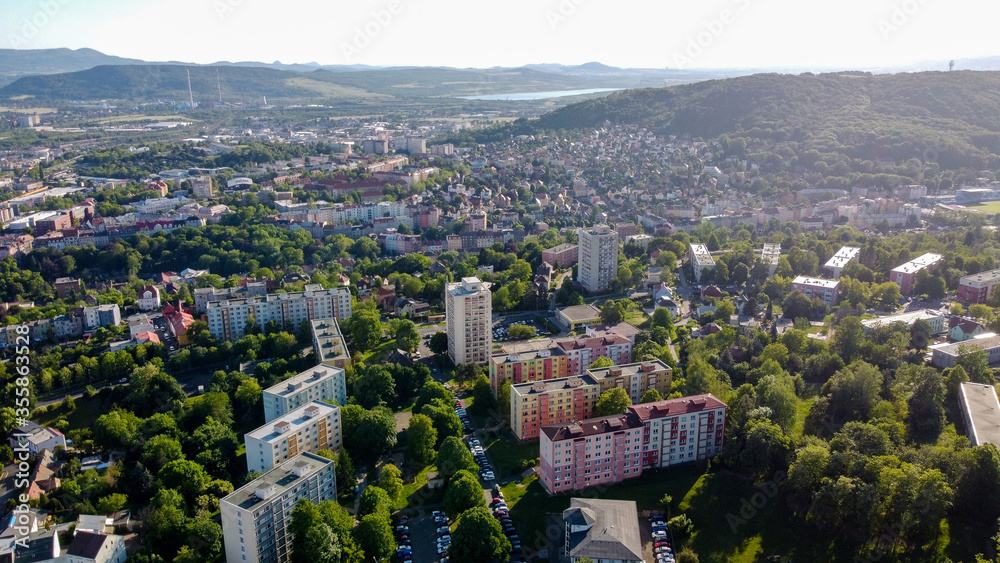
[(854, 34)]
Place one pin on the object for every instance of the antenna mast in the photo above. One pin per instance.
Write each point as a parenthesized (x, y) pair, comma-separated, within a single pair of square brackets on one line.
[(219, 82), (951, 65), (190, 93)]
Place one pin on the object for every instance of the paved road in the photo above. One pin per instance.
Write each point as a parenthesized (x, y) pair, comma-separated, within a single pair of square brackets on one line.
[(189, 382)]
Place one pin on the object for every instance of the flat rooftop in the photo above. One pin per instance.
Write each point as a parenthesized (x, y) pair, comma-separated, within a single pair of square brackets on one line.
[(301, 381), (816, 282), (579, 313), (549, 385), (981, 404), (905, 318), (625, 370), (561, 248), (918, 263), (843, 256), (982, 342), (295, 420), (992, 276), (272, 297), (771, 253), (328, 341), (281, 478), (701, 255)]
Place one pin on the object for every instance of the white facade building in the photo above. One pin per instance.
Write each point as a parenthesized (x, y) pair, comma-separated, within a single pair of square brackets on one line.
[(227, 319), (598, 263), (310, 428), (321, 383), (469, 318)]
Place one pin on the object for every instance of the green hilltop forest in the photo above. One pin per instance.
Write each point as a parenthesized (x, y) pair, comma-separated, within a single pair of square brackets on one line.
[(952, 118)]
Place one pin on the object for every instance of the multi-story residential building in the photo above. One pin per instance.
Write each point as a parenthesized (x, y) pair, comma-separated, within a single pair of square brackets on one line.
[(636, 378), (35, 438), (905, 274), (309, 428), (681, 430), (981, 411), (836, 264), (101, 316), (595, 451), (933, 318), (255, 518), (771, 256), (228, 319), (978, 288), (149, 298), (602, 530), (321, 383), (824, 290), (65, 286), (205, 295), (201, 187), (581, 352), (598, 258), (476, 221), (533, 365), (946, 355), (701, 259), (564, 255), (329, 344), (556, 401), (469, 317)]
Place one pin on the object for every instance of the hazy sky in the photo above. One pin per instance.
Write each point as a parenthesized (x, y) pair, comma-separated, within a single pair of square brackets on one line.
[(856, 34)]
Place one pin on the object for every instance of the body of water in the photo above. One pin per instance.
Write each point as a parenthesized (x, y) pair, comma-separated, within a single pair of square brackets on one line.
[(523, 96)]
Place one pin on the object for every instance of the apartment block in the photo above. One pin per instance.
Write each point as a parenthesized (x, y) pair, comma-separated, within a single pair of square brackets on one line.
[(310, 428), (564, 255), (329, 344), (611, 449), (201, 187), (149, 298), (701, 259), (227, 319), (771, 256), (557, 401), (681, 430), (978, 288), (595, 451), (533, 365), (981, 411), (321, 383), (933, 318), (598, 258), (469, 318), (581, 352), (205, 295), (946, 355), (636, 378), (905, 274), (824, 290), (836, 264), (256, 517)]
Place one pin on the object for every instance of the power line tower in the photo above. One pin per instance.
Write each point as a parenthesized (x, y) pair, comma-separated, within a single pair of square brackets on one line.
[(951, 65)]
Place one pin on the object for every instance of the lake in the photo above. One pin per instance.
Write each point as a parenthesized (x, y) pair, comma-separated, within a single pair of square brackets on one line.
[(523, 96)]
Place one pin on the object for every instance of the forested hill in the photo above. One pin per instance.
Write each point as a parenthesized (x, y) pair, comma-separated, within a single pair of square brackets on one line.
[(891, 116)]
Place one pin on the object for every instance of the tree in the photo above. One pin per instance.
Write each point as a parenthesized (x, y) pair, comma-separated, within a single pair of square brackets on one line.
[(662, 317), (464, 492), (371, 432), (479, 537), (375, 500), (601, 362), (975, 362), (454, 457), (925, 406), (444, 418), (374, 387), (465, 373), (365, 329), (853, 392), (667, 501), (117, 429), (420, 439), (111, 503), (185, 476), (346, 481), (438, 343), (682, 527), (650, 396), (612, 401), (407, 336), (374, 535), (920, 334), (612, 313), (159, 451), (320, 545), (433, 391), (391, 482), (796, 305), (521, 332)]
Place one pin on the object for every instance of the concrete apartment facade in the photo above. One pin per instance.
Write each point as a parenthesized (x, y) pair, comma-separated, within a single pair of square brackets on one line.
[(255, 518), (824, 290), (469, 318), (981, 411), (329, 344), (835, 265), (978, 288), (227, 319), (309, 428), (598, 262), (321, 383), (701, 260), (905, 274)]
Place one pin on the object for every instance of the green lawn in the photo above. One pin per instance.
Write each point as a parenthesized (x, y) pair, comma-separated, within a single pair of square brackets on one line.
[(507, 454), (83, 416), (990, 207), (416, 493)]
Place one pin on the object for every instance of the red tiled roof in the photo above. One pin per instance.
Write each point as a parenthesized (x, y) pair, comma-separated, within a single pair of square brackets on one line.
[(672, 407)]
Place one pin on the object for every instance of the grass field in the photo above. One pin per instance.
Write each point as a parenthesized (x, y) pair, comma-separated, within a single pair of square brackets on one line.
[(508, 455), (990, 207), (83, 416)]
